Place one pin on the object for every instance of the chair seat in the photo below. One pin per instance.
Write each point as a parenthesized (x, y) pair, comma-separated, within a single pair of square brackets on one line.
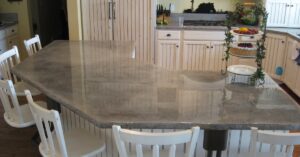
[(263, 154), (12, 119), (21, 86), (79, 142)]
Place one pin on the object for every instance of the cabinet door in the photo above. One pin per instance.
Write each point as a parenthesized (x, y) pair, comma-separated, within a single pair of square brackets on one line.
[(132, 21), (278, 12), (297, 89), (196, 55), (275, 54), (168, 54), (294, 19), (290, 74), (2, 46), (216, 55), (12, 41), (96, 19)]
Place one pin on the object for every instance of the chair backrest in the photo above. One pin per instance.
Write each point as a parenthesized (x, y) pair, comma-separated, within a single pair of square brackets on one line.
[(155, 140), (275, 139), (33, 45), (10, 101), (44, 120), (8, 60)]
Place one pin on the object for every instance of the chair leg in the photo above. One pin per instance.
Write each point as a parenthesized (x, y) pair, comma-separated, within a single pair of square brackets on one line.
[(35, 139)]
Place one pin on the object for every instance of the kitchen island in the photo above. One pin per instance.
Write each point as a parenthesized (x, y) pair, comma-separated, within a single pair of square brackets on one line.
[(104, 83)]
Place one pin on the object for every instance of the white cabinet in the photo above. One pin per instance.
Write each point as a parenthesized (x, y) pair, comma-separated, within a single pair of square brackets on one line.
[(297, 87), (203, 55), (291, 67), (2, 46), (168, 54), (283, 13), (8, 38), (275, 54), (168, 49), (123, 20), (12, 41)]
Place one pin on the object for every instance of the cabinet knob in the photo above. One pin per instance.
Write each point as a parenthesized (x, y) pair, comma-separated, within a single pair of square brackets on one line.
[(212, 47), (207, 47), (12, 30), (168, 35), (287, 5), (177, 46), (291, 5), (282, 42)]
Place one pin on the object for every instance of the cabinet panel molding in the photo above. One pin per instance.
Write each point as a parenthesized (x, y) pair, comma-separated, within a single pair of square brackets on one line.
[(168, 54), (290, 74), (275, 54), (123, 20)]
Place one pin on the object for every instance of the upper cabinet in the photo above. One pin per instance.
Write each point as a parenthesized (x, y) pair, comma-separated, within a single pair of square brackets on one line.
[(129, 20), (283, 13)]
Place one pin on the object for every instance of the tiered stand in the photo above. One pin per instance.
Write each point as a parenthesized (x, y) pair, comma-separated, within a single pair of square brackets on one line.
[(243, 52), (253, 75)]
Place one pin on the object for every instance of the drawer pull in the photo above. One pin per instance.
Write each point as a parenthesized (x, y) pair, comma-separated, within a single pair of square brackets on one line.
[(252, 37), (168, 35)]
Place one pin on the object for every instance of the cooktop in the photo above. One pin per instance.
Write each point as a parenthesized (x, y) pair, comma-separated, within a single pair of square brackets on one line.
[(203, 23)]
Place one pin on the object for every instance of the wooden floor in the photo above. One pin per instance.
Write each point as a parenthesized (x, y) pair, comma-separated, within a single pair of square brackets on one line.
[(17, 142)]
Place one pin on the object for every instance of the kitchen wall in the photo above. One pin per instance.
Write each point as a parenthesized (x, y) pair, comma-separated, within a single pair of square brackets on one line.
[(21, 8), (180, 5), (74, 19)]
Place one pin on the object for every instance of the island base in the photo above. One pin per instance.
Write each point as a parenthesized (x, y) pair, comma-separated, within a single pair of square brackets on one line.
[(215, 140)]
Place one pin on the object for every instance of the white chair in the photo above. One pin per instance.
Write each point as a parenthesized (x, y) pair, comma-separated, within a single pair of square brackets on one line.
[(155, 140), (8, 60), (73, 143), (15, 115), (33, 45), (275, 140)]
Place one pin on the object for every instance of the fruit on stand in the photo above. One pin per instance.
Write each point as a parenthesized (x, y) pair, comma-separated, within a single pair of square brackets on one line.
[(244, 30)]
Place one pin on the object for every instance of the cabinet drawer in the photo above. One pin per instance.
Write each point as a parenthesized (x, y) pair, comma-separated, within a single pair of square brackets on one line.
[(13, 30), (168, 35), (2, 34), (2, 46), (204, 35)]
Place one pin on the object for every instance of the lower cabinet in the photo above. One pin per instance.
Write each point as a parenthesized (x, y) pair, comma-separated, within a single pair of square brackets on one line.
[(275, 56), (203, 55), (168, 54), (12, 41), (291, 67), (2, 46)]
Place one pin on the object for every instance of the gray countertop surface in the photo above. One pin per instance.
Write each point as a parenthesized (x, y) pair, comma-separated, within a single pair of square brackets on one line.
[(102, 82), (292, 32)]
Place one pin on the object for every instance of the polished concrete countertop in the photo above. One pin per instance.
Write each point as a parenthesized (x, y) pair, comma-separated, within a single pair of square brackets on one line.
[(105, 84), (292, 32)]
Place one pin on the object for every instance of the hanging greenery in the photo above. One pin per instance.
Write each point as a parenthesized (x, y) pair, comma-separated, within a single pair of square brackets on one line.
[(261, 17)]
